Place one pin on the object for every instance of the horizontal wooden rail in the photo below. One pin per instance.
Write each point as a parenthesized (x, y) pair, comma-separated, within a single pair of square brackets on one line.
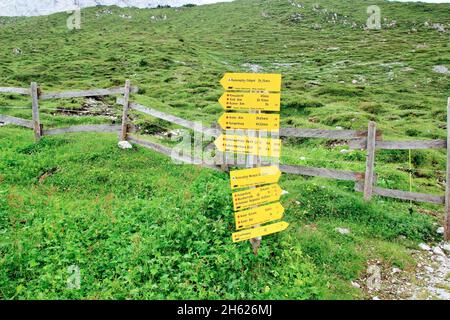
[(83, 128), (403, 195), (400, 145), (16, 121), (284, 132), (173, 119), (85, 93), (168, 152), (325, 134), (15, 90), (323, 172)]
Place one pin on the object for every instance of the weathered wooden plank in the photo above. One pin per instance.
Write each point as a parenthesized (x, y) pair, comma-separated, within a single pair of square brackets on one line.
[(400, 145), (84, 128), (15, 90), (403, 195), (35, 108), (126, 105), (370, 161), (169, 152), (16, 121), (86, 93), (447, 187), (324, 134), (173, 119), (323, 172)]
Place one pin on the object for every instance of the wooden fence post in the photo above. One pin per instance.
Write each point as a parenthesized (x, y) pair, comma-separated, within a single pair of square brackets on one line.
[(370, 161), (35, 108), (447, 187), (126, 105)]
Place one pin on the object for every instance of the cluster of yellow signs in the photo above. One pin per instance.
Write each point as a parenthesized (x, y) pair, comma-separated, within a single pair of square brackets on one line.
[(259, 204)]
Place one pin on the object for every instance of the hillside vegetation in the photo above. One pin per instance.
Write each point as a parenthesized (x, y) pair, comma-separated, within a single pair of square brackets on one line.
[(139, 226)]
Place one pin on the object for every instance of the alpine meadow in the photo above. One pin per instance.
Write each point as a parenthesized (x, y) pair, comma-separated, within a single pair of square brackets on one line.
[(133, 224)]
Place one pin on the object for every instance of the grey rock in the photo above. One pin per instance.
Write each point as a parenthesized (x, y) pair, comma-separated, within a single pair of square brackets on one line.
[(425, 247), (125, 145), (342, 230)]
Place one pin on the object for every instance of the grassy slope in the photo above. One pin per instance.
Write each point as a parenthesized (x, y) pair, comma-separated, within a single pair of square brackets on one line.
[(135, 235)]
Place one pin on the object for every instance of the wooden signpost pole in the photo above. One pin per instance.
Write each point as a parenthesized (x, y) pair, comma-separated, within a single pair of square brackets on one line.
[(126, 105), (447, 187), (256, 242), (35, 107)]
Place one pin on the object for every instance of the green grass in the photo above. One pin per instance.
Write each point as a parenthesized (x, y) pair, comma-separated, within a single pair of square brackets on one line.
[(140, 227)]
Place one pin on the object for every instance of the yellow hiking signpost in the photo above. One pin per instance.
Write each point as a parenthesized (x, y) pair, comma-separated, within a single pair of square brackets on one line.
[(254, 93), (255, 197), (253, 177), (259, 232), (249, 218), (265, 147), (249, 101), (251, 81), (246, 121)]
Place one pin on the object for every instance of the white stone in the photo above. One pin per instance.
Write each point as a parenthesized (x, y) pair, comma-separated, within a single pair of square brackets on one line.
[(438, 251), (355, 284), (429, 269), (283, 192), (375, 298), (441, 69), (446, 247), (396, 270), (440, 230), (339, 128), (425, 247), (342, 230), (125, 145), (344, 151)]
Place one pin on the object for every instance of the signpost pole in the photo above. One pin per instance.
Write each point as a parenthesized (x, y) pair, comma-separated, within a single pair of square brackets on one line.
[(447, 188), (256, 242)]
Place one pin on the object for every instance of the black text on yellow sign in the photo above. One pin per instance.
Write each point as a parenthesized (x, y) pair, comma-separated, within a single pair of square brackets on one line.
[(249, 101), (256, 197), (253, 177), (251, 81), (247, 121), (248, 218), (264, 147), (259, 232)]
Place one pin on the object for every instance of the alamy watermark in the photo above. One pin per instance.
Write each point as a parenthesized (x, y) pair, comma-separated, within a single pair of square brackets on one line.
[(374, 20), (74, 19), (231, 147), (74, 277)]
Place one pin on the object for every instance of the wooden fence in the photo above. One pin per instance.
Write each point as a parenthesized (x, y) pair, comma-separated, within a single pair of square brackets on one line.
[(369, 140), (36, 94)]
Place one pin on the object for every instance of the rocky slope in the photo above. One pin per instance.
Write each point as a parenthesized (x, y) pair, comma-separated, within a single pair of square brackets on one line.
[(45, 7)]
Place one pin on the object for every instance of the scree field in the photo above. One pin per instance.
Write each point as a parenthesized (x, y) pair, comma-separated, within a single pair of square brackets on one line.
[(139, 226)]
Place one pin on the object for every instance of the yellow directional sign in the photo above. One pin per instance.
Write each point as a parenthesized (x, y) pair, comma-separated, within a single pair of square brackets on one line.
[(256, 81), (250, 101), (253, 177), (259, 232), (248, 121), (255, 197), (248, 218), (264, 147)]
